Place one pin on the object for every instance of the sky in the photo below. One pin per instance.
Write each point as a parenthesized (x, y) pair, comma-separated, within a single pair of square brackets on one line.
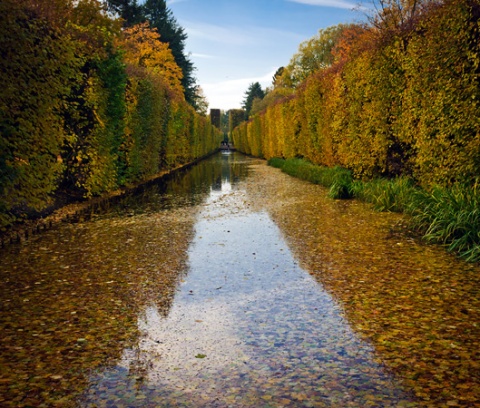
[(234, 43)]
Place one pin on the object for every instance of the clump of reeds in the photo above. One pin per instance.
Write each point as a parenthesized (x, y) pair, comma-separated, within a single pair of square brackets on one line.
[(447, 216), (337, 178), (386, 194)]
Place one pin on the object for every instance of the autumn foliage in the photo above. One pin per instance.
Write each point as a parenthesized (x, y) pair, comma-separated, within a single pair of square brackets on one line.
[(396, 97), (86, 107)]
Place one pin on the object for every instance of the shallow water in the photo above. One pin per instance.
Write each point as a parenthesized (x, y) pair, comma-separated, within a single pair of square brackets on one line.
[(233, 284)]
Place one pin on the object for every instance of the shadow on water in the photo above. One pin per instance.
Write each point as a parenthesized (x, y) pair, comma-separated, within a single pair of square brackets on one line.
[(232, 284), (185, 187)]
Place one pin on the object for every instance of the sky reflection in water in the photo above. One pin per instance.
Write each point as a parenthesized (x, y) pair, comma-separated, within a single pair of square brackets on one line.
[(248, 327)]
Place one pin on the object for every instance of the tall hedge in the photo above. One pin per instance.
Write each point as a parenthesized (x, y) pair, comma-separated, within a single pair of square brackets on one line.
[(75, 117), (398, 102), (38, 67)]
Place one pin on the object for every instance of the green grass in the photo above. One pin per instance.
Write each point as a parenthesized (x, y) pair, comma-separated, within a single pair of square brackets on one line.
[(450, 217), (386, 194), (446, 216), (338, 179)]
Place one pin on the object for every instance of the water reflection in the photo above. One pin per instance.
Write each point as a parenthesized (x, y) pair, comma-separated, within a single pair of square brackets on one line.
[(416, 304), (187, 294), (185, 188), (71, 296), (248, 327)]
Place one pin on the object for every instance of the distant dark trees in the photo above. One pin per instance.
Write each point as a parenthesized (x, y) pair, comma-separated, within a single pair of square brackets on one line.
[(253, 92), (129, 10), (235, 117), (215, 117), (224, 122)]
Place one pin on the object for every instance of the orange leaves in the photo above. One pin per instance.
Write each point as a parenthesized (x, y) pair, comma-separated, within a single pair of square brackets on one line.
[(144, 49), (351, 38), (390, 104)]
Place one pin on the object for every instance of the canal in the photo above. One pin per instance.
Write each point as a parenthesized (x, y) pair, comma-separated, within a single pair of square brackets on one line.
[(232, 284)]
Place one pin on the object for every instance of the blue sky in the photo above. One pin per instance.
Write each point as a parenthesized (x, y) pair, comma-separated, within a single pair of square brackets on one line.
[(233, 43)]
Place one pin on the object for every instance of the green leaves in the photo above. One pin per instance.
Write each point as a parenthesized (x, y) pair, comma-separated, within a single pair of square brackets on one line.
[(75, 117), (36, 70), (254, 92), (401, 104), (449, 216), (400, 101)]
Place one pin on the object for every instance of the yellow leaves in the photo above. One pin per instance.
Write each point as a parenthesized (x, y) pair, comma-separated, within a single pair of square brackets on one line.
[(300, 396), (144, 49), (402, 106), (416, 305)]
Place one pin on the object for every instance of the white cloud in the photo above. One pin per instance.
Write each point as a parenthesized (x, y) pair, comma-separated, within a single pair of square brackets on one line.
[(229, 94), (216, 33), (247, 36), (170, 2), (328, 3)]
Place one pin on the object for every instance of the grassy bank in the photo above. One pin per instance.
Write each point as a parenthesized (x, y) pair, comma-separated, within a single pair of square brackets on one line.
[(447, 216)]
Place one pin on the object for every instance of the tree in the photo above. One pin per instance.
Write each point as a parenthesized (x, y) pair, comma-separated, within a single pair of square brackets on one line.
[(235, 117), (353, 39), (144, 49), (38, 65), (129, 10), (215, 117), (162, 18), (392, 15), (313, 54), (201, 102), (276, 80), (93, 110), (254, 91), (224, 123)]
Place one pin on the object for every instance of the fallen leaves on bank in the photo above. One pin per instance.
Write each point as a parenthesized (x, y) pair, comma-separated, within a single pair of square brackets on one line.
[(71, 299), (418, 305)]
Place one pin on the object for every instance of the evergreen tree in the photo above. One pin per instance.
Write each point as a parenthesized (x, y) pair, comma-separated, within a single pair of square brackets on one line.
[(129, 10), (276, 80), (253, 92), (161, 18), (224, 124), (235, 117)]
